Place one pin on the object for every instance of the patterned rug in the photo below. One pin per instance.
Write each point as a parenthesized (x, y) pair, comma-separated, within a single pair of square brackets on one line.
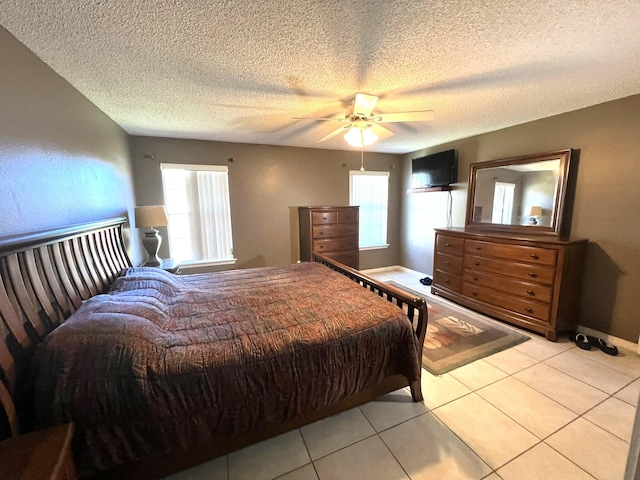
[(455, 337)]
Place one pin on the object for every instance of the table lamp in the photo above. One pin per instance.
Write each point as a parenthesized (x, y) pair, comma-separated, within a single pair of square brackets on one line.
[(535, 211), (151, 216)]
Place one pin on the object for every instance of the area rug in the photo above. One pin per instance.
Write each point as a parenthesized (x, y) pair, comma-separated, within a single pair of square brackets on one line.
[(455, 337)]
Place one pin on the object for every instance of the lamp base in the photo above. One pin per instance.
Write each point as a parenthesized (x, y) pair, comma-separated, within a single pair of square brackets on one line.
[(151, 242)]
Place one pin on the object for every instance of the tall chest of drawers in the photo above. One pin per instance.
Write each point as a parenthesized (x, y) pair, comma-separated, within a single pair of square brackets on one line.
[(331, 231), (529, 281)]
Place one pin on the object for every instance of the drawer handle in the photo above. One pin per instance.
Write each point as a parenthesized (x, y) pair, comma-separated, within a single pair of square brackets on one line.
[(478, 248), (534, 256), (476, 263), (531, 292), (446, 280), (321, 247), (532, 275), (528, 309), (475, 278), (447, 263), (447, 244), (475, 294)]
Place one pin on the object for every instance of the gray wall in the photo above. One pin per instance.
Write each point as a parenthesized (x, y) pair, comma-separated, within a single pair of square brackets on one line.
[(606, 210), (62, 160), (266, 185)]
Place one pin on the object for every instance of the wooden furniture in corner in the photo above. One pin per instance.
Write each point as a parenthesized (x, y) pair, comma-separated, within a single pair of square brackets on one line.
[(330, 231), (529, 281), (45, 454)]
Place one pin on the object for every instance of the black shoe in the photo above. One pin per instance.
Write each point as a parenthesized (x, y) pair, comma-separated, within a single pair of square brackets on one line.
[(426, 281), (582, 341)]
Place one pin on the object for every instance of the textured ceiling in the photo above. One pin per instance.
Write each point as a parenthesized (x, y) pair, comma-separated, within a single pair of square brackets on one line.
[(238, 71)]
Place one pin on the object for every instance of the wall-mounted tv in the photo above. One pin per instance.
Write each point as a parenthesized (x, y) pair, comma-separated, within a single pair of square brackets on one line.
[(436, 170)]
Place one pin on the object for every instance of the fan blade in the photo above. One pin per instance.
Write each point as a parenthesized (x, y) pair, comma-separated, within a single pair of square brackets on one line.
[(420, 116), (380, 131), (364, 104), (334, 133), (335, 119)]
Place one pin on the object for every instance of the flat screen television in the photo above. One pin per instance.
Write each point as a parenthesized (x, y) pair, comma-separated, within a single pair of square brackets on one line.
[(436, 170)]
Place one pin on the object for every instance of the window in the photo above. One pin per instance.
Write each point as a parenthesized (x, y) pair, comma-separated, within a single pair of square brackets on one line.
[(370, 191), (197, 201), (503, 202)]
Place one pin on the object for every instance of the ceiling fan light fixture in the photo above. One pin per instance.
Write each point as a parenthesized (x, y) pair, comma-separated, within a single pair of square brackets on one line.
[(359, 137)]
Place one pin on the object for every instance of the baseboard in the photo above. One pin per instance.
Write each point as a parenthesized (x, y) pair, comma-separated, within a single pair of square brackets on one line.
[(618, 342)]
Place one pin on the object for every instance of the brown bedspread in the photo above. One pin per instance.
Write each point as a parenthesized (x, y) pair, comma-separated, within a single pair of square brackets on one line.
[(165, 363)]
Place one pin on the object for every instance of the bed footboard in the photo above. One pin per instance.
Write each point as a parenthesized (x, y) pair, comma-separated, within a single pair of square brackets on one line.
[(415, 307)]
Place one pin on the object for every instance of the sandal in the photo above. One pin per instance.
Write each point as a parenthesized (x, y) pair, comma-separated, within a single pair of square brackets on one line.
[(582, 341), (607, 348)]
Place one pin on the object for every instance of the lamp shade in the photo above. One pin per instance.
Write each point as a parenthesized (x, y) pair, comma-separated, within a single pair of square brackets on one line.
[(535, 211), (151, 216), (359, 137)]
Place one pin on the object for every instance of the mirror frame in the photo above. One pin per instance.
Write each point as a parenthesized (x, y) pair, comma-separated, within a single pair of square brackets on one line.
[(559, 201)]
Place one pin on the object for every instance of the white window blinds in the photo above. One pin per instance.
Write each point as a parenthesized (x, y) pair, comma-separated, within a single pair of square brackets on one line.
[(370, 191), (197, 201)]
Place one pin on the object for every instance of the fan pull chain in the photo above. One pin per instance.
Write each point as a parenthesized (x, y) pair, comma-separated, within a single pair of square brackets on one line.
[(361, 151)]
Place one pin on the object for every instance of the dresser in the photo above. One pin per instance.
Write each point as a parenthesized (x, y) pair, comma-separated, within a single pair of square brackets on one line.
[(331, 231), (529, 281)]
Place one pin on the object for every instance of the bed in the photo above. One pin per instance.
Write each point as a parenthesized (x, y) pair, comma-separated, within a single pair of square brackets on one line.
[(159, 372)]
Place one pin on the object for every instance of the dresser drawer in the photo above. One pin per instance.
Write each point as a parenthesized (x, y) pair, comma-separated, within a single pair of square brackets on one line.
[(319, 218), (348, 216), (448, 281), (335, 244), (510, 286), (530, 308), (520, 253), (523, 271), (449, 245), (449, 263), (334, 230)]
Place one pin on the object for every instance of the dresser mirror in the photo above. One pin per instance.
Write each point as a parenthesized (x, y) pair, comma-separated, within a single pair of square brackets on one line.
[(520, 195)]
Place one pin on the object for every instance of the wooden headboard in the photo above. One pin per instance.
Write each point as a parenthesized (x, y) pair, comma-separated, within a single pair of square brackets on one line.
[(45, 276)]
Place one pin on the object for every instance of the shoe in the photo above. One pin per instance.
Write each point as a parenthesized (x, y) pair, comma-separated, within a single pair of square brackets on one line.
[(606, 348), (582, 341), (426, 281)]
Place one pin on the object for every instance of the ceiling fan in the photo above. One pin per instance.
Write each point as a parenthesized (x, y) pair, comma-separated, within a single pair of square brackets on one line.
[(362, 127)]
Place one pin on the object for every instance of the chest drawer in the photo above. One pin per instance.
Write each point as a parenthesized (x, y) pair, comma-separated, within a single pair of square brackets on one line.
[(449, 263), (320, 218), (521, 253), (335, 230), (510, 286), (530, 308), (335, 244), (449, 245), (447, 280), (523, 271)]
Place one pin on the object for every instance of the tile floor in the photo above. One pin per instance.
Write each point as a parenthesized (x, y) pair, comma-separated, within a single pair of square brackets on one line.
[(539, 410)]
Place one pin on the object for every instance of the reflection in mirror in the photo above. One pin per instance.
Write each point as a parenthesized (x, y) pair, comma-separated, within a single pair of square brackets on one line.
[(520, 194), (517, 194)]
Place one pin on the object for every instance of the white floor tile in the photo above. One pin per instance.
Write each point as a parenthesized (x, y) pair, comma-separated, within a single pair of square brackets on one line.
[(438, 390), (478, 374), (541, 349), (626, 361), (494, 436), (615, 416), (511, 360), (392, 409), (304, 473), (369, 459), (542, 463), (336, 432), (531, 409), (269, 459), (595, 373), (561, 387), (597, 451), (630, 393), (427, 449)]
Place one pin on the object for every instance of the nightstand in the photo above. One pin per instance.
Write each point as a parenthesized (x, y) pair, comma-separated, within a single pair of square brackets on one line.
[(45, 454), (170, 266)]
